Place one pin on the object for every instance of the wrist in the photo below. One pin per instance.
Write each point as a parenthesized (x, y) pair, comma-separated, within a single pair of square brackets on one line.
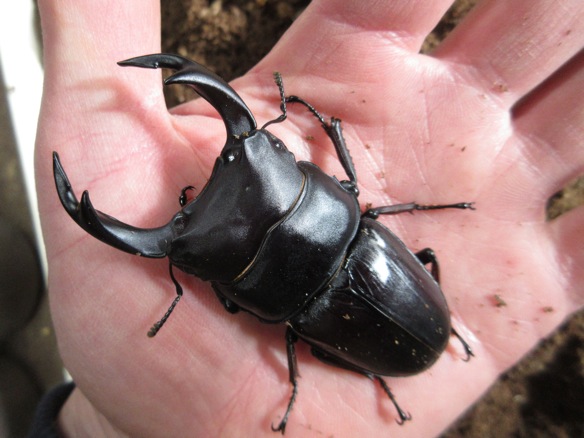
[(78, 417)]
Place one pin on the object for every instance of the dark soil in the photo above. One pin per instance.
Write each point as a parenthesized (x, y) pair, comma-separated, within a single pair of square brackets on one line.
[(541, 396), (229, 37)]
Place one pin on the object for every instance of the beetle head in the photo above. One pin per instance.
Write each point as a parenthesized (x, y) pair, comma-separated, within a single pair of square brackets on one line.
[(254, 183)]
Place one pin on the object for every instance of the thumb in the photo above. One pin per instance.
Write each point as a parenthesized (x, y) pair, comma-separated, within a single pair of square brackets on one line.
[(81, 39)]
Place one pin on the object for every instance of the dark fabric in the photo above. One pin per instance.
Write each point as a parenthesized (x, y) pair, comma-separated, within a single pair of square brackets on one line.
[(44, 424)]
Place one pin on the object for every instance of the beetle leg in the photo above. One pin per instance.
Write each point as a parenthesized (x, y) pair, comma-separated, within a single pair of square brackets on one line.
[(291, 339), (333, 130), (179, 292), (229, 305), (374, 213), (335, 133), (403, 416), (427, 256), (182, 199), (467, 348), (338, 362)]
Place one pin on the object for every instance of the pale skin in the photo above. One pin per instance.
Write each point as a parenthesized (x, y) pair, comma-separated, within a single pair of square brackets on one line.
[(439, 129)]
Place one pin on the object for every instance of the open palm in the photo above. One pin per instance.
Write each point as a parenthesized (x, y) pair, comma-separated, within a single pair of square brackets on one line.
[(493, 117)]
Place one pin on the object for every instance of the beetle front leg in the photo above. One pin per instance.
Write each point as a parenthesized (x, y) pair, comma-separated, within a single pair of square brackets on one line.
[(335, 133), (333, 130), (291, 339)]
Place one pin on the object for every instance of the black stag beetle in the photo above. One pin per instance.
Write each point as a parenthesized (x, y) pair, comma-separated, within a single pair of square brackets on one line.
[(286, 242)]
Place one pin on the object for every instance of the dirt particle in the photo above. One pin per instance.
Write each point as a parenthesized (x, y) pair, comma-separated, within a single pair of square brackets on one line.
[(547, 309), (499, 301)]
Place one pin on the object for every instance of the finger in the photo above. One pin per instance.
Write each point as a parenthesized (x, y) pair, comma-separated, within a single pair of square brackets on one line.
[(84, 88), (406, 22), (82, 39), (510, 47), (346, 29), (552, 121), (82, 42), (92, 108)]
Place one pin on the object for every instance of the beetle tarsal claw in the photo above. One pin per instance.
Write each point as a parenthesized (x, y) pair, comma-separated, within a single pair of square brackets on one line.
[(465, 345), (282, 426)]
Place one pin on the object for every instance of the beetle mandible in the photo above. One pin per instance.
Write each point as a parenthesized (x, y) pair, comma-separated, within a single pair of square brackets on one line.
[(286, 242)]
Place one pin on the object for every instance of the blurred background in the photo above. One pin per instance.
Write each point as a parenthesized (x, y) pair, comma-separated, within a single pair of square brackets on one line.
[(29, 361), (541, 396)]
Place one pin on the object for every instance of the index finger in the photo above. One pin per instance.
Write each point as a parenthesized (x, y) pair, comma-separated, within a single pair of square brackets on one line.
[(511, 47)]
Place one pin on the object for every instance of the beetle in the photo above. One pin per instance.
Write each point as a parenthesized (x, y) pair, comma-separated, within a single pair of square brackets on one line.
[(288, 243)]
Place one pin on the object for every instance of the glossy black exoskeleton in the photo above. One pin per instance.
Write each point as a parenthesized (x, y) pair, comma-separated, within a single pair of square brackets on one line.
[(286, 242)]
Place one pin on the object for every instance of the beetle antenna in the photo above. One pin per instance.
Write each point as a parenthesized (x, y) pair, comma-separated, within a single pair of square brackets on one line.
[(296, 99), (179, 291), (283, 100)]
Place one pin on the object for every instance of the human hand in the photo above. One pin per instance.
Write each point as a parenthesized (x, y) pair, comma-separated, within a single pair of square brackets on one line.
[(475, 122)]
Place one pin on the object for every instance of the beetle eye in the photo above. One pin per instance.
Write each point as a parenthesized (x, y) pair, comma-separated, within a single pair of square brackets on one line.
[(230, 155), (275, 142)]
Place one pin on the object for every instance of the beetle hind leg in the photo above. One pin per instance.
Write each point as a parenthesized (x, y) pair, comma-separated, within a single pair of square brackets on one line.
[(427, 256), (403, 416), (467, 348), (291, 339), (339, 363)]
